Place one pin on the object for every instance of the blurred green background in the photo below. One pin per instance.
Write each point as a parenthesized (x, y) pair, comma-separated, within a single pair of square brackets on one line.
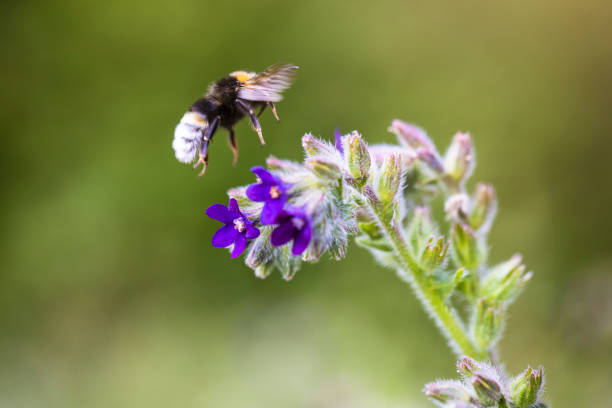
[(110, 293)]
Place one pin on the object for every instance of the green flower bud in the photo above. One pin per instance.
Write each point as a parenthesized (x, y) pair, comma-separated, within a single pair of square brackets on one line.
[(313, 146), (358, 159), (484, 207), (433, 255), (324, 169), (459, 160), (264, 270), (466, 366), (487, 322), (261, 251), (525, 388), (467, 249), (447, 391), (389, 179), (505, 281), (420, 229), (487, 389)]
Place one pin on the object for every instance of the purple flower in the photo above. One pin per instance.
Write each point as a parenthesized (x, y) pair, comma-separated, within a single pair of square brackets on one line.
[(271, 190), (338, 139), (294, 224), (237, 228)]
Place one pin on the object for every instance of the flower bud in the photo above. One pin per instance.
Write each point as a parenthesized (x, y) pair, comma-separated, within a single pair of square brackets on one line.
[(505, 281), (411, 135), (433, 255), (260, 251), (525, 388), (487, 322), (466, 366), (487, 389), (467, 249), (420, 229), (456, 207), (484, 208), (459, 160), (447, 391), (287, 264), (264, 270), (358, 159), (324, 169), (389, 179), (286, 166), (430, 158), (313, 146)]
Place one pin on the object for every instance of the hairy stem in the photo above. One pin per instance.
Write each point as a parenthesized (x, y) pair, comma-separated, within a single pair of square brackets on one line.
[(445, 318)]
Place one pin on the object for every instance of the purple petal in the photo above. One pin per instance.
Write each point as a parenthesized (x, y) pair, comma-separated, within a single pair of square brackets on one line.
[(338, 139), (233, 205), (239, 245), (224, 236), (258, 192), (251, 231), (301, 241), (282, 234), (219, 212), (265, 176), (270, 211)]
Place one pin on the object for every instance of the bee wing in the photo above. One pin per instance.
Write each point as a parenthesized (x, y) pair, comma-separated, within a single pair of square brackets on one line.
[(268, 84)]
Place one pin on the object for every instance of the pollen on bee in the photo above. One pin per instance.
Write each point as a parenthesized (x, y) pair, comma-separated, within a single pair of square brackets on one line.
[(242, 76)]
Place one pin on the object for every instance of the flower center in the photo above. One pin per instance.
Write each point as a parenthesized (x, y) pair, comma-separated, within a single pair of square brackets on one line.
[(274, 193), (239, 224), (298, 223)]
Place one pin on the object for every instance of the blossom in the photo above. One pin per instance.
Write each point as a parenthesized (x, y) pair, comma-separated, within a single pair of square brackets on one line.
[(271, 190), (237, 229), (293, 224)]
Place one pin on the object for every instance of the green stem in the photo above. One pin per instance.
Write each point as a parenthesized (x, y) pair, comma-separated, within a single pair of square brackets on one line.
[(445, 318)]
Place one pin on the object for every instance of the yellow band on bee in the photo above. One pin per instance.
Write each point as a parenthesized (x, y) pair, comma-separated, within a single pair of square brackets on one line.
[(242, 76)]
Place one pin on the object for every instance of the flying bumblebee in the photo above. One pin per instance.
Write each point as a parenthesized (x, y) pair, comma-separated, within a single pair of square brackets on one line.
[(227, 101)]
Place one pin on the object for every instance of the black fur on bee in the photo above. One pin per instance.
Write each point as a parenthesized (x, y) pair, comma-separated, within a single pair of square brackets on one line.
[(227, 101)]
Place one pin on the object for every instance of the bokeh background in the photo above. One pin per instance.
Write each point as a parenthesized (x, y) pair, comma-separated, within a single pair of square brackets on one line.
[(110, 293)]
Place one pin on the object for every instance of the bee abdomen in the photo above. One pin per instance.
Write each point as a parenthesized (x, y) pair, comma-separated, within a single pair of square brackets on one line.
[(188, 136)]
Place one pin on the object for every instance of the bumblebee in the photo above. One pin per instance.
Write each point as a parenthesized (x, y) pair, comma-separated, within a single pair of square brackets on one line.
[(227, 101)]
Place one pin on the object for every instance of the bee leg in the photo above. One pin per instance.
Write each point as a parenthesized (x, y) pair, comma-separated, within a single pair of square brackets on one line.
[(203, 153), (263, 108), (271, 105), (202, 159), (233, 145), (248, 109)]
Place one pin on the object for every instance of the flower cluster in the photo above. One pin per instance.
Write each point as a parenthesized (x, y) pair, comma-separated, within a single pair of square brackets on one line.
[(483, 385), (292, 223), (383, 195)]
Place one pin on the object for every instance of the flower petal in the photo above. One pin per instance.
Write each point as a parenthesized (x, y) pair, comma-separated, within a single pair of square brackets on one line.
[(282, 234), (258, 192), (265, 176), (302, 240), (224, 236), (233, 205), (251, 231), (338, 140), (219, 212), (239, 245), (271, 210)]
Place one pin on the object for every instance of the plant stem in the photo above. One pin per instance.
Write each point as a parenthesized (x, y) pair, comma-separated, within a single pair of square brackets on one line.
[(445, 318)]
